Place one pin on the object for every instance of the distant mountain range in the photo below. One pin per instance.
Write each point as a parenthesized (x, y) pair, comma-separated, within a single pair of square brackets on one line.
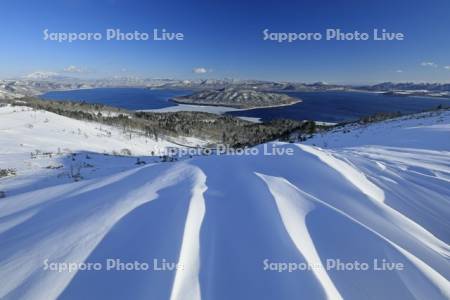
[(41, 82), (390, 86)]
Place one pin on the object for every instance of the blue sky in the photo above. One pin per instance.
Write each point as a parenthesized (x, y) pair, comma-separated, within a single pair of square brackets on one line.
[(225, 38)]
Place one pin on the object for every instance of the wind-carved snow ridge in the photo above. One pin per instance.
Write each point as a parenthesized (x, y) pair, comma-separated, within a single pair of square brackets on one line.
[(75, 231), (351, 174), (186, 284), (294, 206), (360, 181)]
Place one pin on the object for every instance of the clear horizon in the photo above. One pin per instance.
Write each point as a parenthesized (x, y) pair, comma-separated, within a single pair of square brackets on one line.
[(24, 77)]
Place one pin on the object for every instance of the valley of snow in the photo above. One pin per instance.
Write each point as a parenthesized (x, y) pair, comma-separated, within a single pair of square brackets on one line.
[(356, 194)]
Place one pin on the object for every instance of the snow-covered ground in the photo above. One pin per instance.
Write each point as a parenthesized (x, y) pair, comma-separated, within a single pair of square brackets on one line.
[(376, 195), (35, 142), (24, 130), (188, 107), (9, 95), (218, 110)]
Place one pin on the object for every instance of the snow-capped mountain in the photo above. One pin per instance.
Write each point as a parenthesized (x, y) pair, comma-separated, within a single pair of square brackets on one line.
[(42, 75), (19, 88), (237, 226)]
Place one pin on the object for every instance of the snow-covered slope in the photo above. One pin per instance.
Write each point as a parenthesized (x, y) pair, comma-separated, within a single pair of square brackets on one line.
[(233, 223), (23, 129), (37, 143)]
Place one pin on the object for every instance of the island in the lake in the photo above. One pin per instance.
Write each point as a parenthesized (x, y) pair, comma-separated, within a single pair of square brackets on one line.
[(237, 98)]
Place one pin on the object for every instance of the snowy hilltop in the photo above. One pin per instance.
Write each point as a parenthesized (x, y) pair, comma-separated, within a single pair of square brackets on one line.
[(361, 211), (237, 98)]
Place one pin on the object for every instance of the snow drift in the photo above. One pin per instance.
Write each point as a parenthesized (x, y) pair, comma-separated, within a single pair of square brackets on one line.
[(356, 194)]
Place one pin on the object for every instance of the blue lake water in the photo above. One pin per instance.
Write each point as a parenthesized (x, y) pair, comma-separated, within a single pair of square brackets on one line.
[(320, 106), (341, 106), (127, 98)]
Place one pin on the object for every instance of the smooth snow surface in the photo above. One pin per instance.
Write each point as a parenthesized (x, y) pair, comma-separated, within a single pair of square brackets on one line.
[(359, 193)]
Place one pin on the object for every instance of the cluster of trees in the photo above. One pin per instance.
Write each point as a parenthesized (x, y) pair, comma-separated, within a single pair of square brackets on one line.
[(381, 116), (227, 130), (7, 172)]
